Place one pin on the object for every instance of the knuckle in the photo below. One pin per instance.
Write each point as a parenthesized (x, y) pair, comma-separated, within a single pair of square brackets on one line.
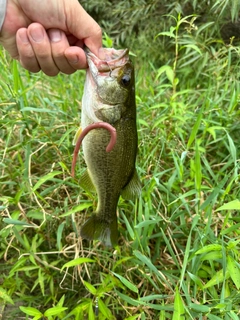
[(27, 55), (58, 55), (32, 68), (98, 31), (51, 73), (42, 55)]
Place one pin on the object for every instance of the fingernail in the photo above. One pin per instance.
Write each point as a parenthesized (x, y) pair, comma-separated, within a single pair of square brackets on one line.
[(55, 35), (73, 60), (23, 36), (37, 34)]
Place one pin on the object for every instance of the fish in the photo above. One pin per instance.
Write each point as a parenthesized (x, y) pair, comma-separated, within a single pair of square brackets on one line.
[(108, 107)]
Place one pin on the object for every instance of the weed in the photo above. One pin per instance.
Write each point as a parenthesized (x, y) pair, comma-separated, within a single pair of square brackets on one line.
[(178, 253)]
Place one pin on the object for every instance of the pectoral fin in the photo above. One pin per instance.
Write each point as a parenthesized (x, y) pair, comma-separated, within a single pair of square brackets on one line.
[(86, 182), (133, 189), (77, 135)]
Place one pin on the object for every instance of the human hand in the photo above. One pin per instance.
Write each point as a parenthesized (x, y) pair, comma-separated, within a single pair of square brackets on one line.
[(49, 35)]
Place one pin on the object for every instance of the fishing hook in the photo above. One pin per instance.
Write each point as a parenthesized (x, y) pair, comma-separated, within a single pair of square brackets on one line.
[(111, 70)]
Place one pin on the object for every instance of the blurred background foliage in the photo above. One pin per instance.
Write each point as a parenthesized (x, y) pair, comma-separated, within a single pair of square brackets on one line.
[(135, 23), (179, 243)]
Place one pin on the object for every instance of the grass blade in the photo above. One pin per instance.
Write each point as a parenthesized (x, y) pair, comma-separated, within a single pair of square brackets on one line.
[(179, 310)]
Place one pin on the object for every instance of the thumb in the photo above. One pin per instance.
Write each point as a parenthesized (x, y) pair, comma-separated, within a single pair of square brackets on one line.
[(84, 27)]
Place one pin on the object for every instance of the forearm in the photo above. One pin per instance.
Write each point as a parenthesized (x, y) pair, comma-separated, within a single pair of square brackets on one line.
[(2, 11)]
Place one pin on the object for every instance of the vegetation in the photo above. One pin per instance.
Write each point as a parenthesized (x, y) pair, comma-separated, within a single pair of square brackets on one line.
[(178, 254)]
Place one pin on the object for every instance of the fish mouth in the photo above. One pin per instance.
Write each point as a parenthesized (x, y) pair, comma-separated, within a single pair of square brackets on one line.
[(108, 60)]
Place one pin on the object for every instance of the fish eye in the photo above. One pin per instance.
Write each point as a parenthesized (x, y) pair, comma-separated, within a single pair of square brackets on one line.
[(125, 80)]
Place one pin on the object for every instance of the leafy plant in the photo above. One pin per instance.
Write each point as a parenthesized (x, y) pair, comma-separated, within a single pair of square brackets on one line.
[(178, 253)]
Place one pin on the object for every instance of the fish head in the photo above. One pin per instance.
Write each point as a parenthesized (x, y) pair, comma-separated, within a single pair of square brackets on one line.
[(110, 82)]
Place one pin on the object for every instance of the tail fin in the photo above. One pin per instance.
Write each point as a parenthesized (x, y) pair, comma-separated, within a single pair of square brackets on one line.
[(96, 228)]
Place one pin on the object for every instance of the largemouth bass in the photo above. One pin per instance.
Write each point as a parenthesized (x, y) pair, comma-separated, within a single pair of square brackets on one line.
[(109, 97)]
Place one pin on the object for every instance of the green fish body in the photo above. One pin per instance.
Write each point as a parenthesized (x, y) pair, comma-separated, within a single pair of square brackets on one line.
[(109, 96)]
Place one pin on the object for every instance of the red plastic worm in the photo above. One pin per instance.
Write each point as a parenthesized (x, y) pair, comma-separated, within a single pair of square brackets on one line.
[(90, 127)]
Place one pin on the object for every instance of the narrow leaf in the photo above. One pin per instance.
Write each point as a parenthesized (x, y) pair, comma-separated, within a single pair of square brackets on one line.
[(232, 205), (104, 309), (45, 178), (196, 280), (213, 317), (91, 315), (194, 130), (234, 227), (151, 267), (233, 315), (192, 46), (5, 296), (169, 72), (146, 261), (199, 307), (41, 110), (212, 255), (234, 271), (179, 311), (129, 228), (127, 283), (90, 287), (31, 311), (59, 235), (210, 247), (78, 208), (18, 223), (138, 302), (218, 278), (54, 311), (76, 262), (146, 223), (198, 169)]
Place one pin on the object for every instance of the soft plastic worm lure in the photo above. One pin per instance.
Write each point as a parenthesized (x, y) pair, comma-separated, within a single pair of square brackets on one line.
[(90, 127)]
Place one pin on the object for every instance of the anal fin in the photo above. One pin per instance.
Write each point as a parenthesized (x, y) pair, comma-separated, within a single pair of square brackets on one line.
[(133, 189)]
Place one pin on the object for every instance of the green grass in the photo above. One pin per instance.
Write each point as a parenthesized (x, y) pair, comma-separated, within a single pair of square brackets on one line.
[(178, 254)]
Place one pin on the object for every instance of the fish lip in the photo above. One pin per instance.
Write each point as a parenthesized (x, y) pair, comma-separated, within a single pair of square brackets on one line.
[(120, 58)]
